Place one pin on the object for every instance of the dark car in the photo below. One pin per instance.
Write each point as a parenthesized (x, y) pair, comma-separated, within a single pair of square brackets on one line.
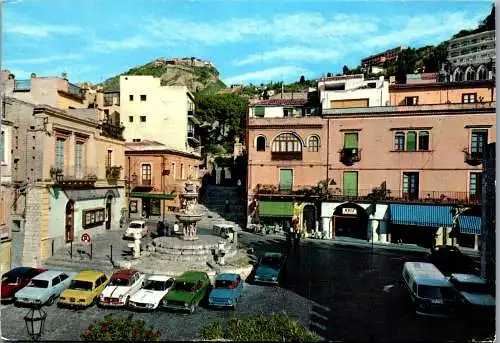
[(449, 259), (15, 279), (270, 268)]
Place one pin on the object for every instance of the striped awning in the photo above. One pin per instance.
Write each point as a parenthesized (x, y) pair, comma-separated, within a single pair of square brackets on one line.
[(469, 224), (276, 209), (421, 215)]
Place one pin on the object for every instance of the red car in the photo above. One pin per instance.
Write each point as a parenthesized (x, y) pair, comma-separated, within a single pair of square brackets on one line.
[(15, 279)]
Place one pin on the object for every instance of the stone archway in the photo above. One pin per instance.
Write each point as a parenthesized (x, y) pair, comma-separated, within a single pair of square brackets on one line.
[(350, 220), (69, 228)]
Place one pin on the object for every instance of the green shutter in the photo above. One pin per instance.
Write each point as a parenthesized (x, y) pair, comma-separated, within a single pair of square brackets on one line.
[(276, 209), (411, 138), (350, 140), (258, 111), (286, 180), (350, 183)]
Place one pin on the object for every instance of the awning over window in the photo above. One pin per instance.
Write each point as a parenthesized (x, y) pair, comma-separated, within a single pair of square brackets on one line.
[(152, 195), (421, 215), (469, 224), (89, 194), (276, 209)]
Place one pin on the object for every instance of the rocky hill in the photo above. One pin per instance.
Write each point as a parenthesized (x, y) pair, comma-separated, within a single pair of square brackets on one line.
[(197, 75)]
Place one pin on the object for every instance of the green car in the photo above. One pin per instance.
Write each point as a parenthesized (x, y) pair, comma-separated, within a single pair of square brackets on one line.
[(188, 291)]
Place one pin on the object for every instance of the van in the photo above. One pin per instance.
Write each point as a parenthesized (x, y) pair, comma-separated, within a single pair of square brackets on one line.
[(429, 290)]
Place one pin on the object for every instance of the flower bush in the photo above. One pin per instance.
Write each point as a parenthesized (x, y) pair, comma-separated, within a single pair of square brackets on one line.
[(275, 328), (113, 328)]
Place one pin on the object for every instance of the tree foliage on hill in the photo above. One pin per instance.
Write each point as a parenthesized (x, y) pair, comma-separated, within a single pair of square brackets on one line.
[(487, 24)]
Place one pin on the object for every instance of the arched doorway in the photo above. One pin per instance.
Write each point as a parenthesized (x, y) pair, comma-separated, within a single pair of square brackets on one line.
[(309, 218), (70, 221), (109, 201), (350, 220)]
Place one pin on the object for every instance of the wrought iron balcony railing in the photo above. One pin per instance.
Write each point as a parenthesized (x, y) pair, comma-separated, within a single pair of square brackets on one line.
[(75, 175), (22, 85), (112, 131), (473, 157), (286, 156), (349, 156), (76, 91)]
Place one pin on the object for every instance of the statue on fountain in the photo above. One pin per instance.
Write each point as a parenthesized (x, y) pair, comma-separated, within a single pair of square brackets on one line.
[(187, 215)]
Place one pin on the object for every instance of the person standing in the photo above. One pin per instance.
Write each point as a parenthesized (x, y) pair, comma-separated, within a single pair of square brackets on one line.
[(296, 231)]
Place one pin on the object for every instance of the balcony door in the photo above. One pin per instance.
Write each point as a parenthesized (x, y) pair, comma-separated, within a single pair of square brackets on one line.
[(410, 186), (350, 183), (479, 138), (475, 186), (286, 180), (146, 175)]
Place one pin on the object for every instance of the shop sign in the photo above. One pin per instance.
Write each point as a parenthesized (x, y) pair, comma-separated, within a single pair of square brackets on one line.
[(349, 211)]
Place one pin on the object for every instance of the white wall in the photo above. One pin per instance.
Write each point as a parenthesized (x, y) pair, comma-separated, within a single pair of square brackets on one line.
[(269, 112), (375, 96)]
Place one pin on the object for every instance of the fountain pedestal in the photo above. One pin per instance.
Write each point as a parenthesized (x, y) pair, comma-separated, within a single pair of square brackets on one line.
[(187, 216)]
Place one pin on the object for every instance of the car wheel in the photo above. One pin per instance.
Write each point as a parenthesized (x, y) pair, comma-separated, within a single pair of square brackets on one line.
[(94, 302), (51, 300), (126, 301), (191, 309)]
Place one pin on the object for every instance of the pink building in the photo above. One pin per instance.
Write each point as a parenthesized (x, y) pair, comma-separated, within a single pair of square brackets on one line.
[(386, 173)]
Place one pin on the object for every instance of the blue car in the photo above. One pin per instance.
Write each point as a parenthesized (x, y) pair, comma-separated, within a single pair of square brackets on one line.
[(227, 291), (270, 268)]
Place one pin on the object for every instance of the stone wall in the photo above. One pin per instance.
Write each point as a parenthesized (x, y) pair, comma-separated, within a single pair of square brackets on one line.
[(32, 228)]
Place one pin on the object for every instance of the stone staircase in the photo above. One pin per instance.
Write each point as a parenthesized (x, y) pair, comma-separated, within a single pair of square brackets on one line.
[(215, 197)]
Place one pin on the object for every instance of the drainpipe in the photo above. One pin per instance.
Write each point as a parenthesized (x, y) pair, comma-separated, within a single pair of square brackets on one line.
[(129, 188), (327, 150), (163, 186)]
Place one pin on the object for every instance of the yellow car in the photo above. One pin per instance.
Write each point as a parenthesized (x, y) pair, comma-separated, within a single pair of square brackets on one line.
[(84, 290)]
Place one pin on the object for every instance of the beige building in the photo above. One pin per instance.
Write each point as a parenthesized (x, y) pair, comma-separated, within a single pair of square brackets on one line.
[(164, 114), (67, 173), (5, 193)]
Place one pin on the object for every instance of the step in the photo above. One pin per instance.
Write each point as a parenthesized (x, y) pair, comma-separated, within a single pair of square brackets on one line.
[(185, 252), (181, 258), (78, 266)]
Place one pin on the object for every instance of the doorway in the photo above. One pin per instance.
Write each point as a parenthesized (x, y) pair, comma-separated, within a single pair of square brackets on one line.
[(309, 218), (109, 201), (146, 207), (70, 221), (350, 220)]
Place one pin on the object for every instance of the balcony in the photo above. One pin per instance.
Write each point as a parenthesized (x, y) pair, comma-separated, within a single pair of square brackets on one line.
[(111, 99), (349, 156), (74, 177), (22, 85), (112, 131), (193, 139), (76, 91), (286, 155), (113, 174), (474, 158)]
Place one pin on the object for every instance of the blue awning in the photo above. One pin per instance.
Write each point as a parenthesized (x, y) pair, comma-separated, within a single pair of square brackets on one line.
[(421, 215), (469, 224)]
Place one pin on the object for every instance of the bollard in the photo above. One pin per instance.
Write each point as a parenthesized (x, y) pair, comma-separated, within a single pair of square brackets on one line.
[(90, 250), (71, 249), (52, 247)]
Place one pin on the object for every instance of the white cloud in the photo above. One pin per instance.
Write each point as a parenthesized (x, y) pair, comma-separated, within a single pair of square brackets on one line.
[(293, 53), (39, 31), (263, 76), (43, 60), (129, 43)]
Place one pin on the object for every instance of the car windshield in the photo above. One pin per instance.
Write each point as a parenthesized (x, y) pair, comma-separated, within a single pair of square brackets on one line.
[(225, 284), (135, 226), (271, 262), (184, 286), (38, 283), (472, 287), (155, 285), (119, 282), (433, 292), (81, 285)]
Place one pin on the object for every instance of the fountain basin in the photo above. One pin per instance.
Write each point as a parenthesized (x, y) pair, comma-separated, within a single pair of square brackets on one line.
[(188, 218)]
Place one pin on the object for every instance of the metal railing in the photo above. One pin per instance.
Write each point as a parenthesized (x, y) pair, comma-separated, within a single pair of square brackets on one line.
[(286, 156), (112, 131), (22, 85), (73, 173), (473, 157), (349, 156)]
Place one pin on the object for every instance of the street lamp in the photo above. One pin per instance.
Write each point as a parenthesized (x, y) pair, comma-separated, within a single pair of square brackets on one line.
[(35, 319)]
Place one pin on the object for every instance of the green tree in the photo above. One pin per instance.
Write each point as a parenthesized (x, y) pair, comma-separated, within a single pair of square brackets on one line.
[(345, 70), (302, 79), (328, 74)]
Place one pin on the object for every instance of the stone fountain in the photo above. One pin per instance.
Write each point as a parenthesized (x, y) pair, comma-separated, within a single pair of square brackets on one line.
[(187, 215)]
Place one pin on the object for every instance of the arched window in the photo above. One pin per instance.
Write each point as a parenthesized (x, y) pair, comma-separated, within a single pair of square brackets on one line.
[(458, 75), (399, 141), (260, 143), (313, 143), (287, 142), (470, 74), (482, 73)]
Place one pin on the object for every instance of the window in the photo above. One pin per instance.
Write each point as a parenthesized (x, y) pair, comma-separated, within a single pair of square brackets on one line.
[(55, 281), (155, 207), (482, 74), (259, 111), (287, 112), (173, 170), (350, 183), (109, 158), (411, 144), (79, 159), (93, 217), (143, 119), (132, 206), (287, 142), (182, 171), (131, 97), (423, 140), (313, 144), (131, 119), (399, 141), (261, 143), (60, 145), (106, 112), (468, 98), (470, 75), (410, 186), (2, 147), (411, 100), (479, 139), (475, 185), (146, 174), (143, 97)]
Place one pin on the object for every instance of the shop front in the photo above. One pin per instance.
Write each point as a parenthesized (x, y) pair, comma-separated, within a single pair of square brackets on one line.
[(150, 205), (275, 213)]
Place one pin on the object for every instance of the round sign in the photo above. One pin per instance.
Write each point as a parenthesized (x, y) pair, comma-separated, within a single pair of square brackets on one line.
[(86, 238)]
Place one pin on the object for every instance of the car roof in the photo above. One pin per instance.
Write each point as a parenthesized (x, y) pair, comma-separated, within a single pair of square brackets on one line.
[(48, 275), (426, 274), (18, 270), (469, 278), (159, 278), (87, 275), (191, 275), (124, 273), (228, 277), (272, 254), (137, 222)]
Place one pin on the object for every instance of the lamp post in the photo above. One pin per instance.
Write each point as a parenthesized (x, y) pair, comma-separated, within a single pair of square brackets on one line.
[(35, 320)]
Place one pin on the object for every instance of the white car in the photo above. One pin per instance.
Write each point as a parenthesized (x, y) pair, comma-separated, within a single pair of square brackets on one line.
[(150, 296), (44, 288), (122, 285), (136, 226)]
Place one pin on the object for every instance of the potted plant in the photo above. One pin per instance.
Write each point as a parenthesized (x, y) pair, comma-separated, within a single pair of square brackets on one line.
[(55, 172), (113, 173)]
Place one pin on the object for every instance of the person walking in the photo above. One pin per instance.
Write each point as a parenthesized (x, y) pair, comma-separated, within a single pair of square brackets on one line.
[(296, 232)]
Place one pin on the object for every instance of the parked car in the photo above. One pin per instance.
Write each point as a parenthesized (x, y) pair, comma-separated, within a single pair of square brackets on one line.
[(15, 279), (227, 291), (449, 259), (476, 296), (122, 285), (150, 296), (270, 268), (44, 288), (188, 291), (134, 227), (84, 290)]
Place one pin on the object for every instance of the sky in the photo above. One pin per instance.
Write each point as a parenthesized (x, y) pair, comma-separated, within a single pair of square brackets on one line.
[(250, 41)]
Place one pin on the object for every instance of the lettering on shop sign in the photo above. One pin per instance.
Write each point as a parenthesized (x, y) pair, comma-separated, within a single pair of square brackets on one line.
[(350, 211)]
